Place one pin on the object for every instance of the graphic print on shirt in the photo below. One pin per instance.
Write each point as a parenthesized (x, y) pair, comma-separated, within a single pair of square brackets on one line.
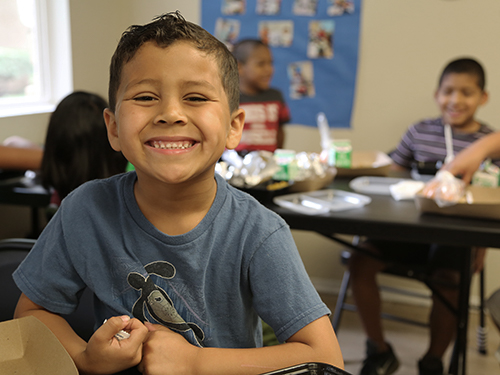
[(157, 302), (261, 125)]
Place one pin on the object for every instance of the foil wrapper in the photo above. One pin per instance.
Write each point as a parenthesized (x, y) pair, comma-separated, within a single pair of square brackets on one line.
[(258, 167)]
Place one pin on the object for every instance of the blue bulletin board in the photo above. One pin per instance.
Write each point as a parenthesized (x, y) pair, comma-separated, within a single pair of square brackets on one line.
[(314, 45)]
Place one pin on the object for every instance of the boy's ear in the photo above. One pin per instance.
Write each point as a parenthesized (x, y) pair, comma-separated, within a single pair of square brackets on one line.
[(485, 97), (236, 129), (112, 127), (240, 67)]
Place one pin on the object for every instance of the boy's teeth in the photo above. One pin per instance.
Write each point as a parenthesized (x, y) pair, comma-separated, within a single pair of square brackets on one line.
[(172, 145)]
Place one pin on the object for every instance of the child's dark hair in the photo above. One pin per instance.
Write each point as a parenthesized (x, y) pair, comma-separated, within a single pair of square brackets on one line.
[(244, 48), (468, 66), (164, 31), (76, 145)]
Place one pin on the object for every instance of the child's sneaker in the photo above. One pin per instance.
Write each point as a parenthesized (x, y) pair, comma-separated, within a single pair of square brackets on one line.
[(497, 354), (376, 363), (430, 366)]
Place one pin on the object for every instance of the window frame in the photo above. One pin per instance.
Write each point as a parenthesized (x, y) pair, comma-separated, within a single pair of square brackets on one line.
[(53, 35)]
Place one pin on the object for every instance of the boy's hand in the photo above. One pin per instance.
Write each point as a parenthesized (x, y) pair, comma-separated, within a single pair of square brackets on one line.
[(105, 354), (166, 351), (465, 164)]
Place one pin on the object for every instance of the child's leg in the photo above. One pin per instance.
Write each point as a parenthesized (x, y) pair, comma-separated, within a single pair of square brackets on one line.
[(366, 294), (443, 322)]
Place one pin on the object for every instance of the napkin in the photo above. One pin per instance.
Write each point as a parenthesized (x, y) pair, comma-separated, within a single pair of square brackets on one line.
[(405, 189)]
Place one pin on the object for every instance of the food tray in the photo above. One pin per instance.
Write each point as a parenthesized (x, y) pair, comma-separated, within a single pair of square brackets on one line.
[(309, 368), (322, 201), (374, 185)]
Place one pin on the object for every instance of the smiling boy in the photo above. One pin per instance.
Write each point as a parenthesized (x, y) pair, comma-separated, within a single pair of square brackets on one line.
[(175, 256), (460, 92)]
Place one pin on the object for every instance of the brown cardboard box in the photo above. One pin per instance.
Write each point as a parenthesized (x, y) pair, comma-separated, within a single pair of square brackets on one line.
[(29, 347), (313, 184), (367, 163), (485, 204)]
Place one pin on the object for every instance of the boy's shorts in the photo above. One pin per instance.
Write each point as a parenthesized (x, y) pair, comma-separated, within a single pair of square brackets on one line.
[(432, 255)]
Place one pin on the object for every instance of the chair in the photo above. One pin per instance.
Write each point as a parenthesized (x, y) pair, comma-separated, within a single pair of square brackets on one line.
[(416, 273), (12, 253)]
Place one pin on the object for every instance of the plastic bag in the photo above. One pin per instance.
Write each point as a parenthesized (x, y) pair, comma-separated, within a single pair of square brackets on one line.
[(445, 189)]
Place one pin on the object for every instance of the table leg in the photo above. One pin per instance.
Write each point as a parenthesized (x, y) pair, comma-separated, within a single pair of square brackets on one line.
[(35, 222), (458, 360)]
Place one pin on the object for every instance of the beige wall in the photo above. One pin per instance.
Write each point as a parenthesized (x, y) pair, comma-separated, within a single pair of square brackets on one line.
[(403, 47)]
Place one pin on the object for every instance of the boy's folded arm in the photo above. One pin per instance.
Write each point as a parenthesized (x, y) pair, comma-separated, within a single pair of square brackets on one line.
[(56, 323), (103, 354), (314, 343)]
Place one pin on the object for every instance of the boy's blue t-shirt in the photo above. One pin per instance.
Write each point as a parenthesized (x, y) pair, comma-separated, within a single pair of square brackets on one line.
[(210, 284)]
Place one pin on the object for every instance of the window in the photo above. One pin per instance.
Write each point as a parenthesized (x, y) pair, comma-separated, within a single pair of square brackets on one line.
[(35, 55)]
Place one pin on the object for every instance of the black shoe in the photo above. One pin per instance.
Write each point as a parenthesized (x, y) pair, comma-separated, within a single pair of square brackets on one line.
[(430, 366), (376, 363)]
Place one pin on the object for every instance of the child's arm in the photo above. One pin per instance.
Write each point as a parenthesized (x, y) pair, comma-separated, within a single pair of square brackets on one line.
[(103, 354), (280, 137), (397, 168), (168, 352), (467, 161)]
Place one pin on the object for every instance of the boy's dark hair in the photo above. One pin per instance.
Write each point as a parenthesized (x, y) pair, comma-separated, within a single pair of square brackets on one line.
[(468, 66), (165, 30), (244, 48), (76, 145)]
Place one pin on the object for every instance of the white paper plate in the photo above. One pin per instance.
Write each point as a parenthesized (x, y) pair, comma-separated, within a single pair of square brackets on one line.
[(374, 185), (322, 201)]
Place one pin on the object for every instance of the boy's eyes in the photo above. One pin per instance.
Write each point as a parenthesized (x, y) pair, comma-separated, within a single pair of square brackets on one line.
[(148, 98), (464, 92), (144, 98), (196, 99)]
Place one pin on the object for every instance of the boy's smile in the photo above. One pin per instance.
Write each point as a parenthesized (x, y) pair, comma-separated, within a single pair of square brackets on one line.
[(172, 118), (458, 98)]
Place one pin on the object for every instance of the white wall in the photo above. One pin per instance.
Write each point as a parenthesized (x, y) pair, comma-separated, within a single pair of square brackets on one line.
[(403, 47)]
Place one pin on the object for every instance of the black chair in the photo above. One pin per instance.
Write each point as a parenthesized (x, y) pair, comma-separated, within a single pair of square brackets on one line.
[(12, 253), (415, 273)]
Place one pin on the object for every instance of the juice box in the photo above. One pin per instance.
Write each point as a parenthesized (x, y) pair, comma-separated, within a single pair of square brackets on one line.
[(340, 154), (287, 163), (488, 176)]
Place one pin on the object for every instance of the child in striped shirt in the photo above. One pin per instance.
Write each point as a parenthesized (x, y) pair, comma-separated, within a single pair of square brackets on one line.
[(461, 91)]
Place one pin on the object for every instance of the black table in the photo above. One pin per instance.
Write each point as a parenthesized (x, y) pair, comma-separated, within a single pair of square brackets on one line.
[(383, 218), (25, 191), (388, 219)]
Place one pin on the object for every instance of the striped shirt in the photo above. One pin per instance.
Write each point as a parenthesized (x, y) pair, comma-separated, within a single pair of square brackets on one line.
[(425, 142)]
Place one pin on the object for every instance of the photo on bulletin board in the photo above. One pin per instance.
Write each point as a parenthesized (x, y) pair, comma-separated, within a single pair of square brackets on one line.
[(314, 44)]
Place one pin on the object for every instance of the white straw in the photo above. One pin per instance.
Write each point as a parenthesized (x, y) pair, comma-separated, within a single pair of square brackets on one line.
[(324, 131), (449, 144)]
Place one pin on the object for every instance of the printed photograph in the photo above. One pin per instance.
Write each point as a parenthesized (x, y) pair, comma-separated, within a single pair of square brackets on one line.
[(268, 7), (276, 33), (320, 45), (301, 77), (233, 7), (339, 7), (305, 7), (227, 31)]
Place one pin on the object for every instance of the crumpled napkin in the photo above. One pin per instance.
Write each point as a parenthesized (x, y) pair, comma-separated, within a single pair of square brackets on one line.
[(405, 189)]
